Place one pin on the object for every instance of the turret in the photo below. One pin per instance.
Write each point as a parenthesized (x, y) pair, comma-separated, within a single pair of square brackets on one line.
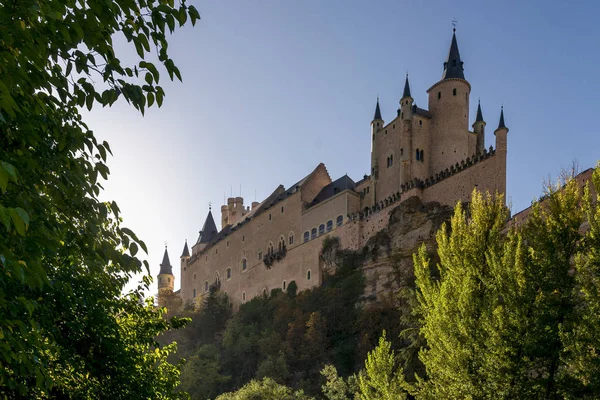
[(185, 256), (207, 234), (376, 125), (406, 102), (501, 135), (449, 107), (479, 129), (166, 280)]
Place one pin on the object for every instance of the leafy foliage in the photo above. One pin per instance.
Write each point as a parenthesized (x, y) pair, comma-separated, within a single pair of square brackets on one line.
[(267, 389), (65, 329), (511, 315)]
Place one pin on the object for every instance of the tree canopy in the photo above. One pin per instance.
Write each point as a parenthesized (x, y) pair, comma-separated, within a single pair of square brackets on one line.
[(66, 330), (512, 312)]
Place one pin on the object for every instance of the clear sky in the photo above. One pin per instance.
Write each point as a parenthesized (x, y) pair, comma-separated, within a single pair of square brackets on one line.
[(272, 88)]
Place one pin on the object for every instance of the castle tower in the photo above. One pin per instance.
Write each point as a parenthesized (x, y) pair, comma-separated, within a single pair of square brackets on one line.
[(449, 107), (501, 134), (479, 129), (406, 134), (166, 280), (376, 125), (185, 256), (207, 234)]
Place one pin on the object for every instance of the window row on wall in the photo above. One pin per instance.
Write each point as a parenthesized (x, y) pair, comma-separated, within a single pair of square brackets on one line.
[(206, 287), (313, 233)]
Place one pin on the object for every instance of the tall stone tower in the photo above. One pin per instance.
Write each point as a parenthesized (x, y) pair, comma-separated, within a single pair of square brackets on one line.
[(449, 103), (166, 280)]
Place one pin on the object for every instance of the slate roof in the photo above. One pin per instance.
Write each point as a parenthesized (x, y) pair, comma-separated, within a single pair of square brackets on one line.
[(421, 112), (209, 230), (335, 187), (453, 66), (501, 122), (186, 251), (406, 88), (479, 114), (165, 266), (377, 111)]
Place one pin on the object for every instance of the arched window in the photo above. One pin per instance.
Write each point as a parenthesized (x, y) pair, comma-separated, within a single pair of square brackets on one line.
[(281, 242), (243, 296), (313, 233), (308, 275), (291, 238), (339, 221), (205, 286), (422, 156), (306, 236), (194, 293), (283, 285), (321, 229), (228, 273), (329, 225), (244, 264), (271, 250), (418, 155), (217, 278)]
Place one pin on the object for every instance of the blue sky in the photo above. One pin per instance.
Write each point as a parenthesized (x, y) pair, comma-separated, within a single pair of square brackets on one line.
[(272, 88)]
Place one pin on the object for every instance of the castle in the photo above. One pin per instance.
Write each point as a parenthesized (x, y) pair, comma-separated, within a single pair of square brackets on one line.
[(429, 153)]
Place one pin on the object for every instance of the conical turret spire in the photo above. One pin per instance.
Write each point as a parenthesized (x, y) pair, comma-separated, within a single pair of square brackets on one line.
[(479, 113), (186, 251), (377, 111), (406, 88), (453, 66), (165, 266), (501, 123), (209, 230)]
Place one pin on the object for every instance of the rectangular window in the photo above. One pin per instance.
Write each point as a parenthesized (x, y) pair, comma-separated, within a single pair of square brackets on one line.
[(259, 255), (269, 217), (243, 238), (282, 209)]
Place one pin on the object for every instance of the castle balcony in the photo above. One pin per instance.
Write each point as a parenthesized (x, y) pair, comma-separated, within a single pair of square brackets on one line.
[(272, 256)]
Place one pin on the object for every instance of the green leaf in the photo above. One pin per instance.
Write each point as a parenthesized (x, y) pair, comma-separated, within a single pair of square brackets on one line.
[(4, 218), (133, 249), (20, 220), (150, 99)]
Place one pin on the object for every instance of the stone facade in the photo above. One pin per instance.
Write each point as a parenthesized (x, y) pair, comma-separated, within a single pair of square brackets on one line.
[(428, 154)]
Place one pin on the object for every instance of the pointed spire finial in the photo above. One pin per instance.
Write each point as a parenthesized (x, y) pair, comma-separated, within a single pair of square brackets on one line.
[(406, 92), (501, 122), (454, 22), (453, 66), (479, 113), (377, 110)]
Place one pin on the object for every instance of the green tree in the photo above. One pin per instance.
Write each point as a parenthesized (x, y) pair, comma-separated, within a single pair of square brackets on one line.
[(201, 376), (509, 312), (336, 387), (267, 389), (381, 378), (66, 330)]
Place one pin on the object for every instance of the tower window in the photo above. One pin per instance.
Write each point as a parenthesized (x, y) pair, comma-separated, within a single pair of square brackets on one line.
[(386, 131), (439, 95), (291, 238), (313, 233), (228, 273), (306, 236), (321, 229), (418, 155), (394, 126), (340, 220), (228, 243), (244, 238), (244, 264), (454, 92), (329, 225), (244, 296), (282, 209), (420, 122), (283, 285), (308, 275), (402, 151), (194, 276), (269, 217), (194, 293), (422, 156)]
